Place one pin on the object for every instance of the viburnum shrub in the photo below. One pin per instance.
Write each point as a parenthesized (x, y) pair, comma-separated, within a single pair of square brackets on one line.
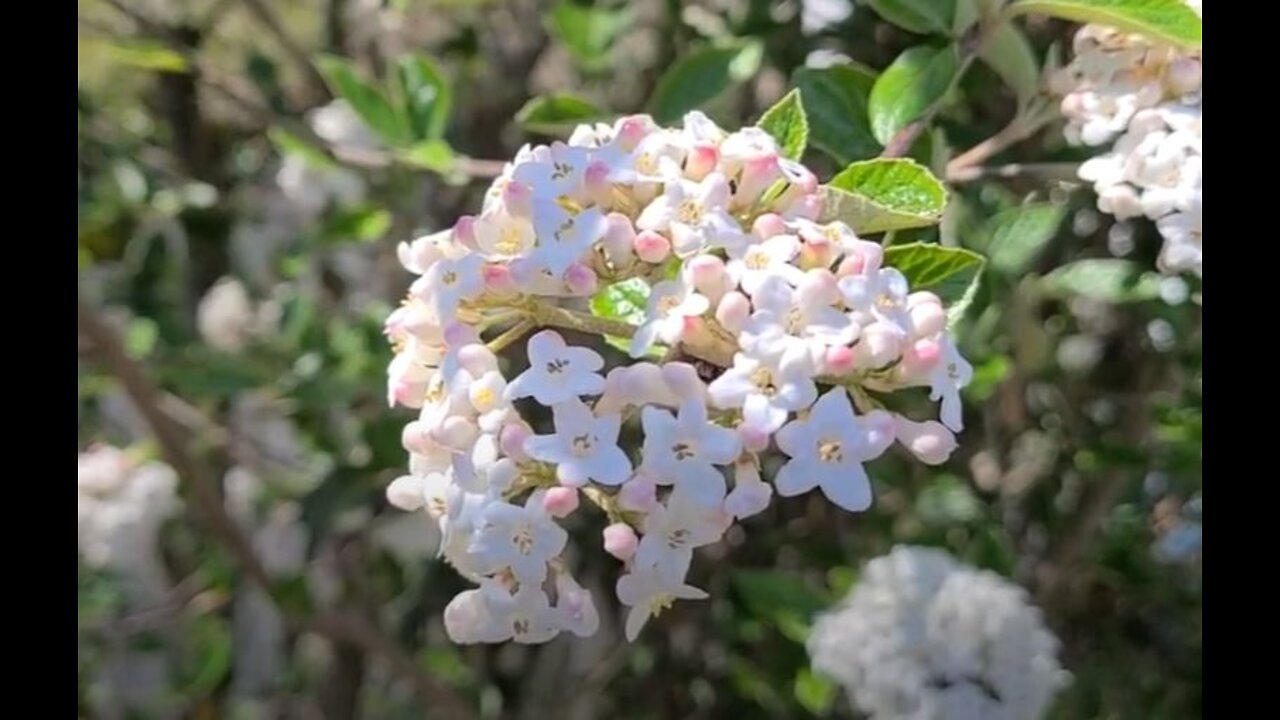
[(760, 323)]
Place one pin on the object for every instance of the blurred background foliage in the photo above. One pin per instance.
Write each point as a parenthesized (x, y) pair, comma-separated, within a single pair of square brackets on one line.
[(209, 148)]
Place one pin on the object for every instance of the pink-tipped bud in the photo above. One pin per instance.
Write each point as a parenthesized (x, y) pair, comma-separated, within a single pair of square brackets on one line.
[(733, 311), (1072, 105), (464, 232), (456, 433), (620, 541), (415, 439), (511, 440), (709, 276), (839, 360), (816, 254), (652, 247), (878, 346), (701, 161), (517, 198), (851, 265), (580, 279), (921, 357), (769, 225), (619, 235), (758, 173), (930, 441), (631, 130), (808, 207), (927, 316), (498, 280), (819, 286), (477, 359), (405, 492), (559, 502)]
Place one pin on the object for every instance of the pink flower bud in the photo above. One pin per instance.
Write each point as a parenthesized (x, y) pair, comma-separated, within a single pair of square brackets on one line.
[(709, 276), (851, 265), (476, 359), (633, 129), (652, 247), (701, 161), (733, 311), (754, 439), (927, 316), (511, 439), (769, 225), (464, 232), (816, 254), (878, 346), (456, 433), (560, 501), (808, 207), (405, 492), (517, 198), (758, 173), (930, 441), (415, 438), (819, 286), (580, 279), (620, 541), (619, 234), (921, 357), (838, 360), (498, 280)]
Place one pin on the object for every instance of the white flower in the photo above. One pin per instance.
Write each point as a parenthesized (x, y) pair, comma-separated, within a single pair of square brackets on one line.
[(762, 260), (670, 304), (951, 374), (766, 393), (584, 446), (648, 592), (501, 236), (565, 236), (672, 531), (523, 539), (492, 614), (683, 451), (555, 172), (793, 327), (575, 607), (881, 295), (448, 282), (922, 637), (225, 315), (827, 450), (750, 495), (557, 372), (695, 215)]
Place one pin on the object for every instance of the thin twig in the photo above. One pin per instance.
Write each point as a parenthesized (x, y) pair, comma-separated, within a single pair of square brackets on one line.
[(1021, 128), (1048, 171)]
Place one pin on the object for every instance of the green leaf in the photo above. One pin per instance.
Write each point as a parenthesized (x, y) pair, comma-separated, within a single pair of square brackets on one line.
[(427, 97), (367, 100), (357, 224), (140, 338), (835, 104), (433, 155), (699, 77), (557, 113), (1018, 234), (588, 32), (950, 273), (289, 144), (208, 657), (1107, 279), (917, 79), (143, 54), (1169, 20), (625, 301), (918, 16), (782, 598), (874, 196), (1009, 54), (787, 123), (814, 693)]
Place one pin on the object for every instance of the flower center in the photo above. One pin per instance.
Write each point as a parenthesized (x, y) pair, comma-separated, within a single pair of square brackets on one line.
[(582, 445), (509, 242), (660, 603), (560, 170), (756, 261), (565, 228), (522, 538), (677, 539), (646, 164), (795, 321), (668, 303), (829, 451), (557, 366), (683, 450), (484, 398), (762, 378), (689, 212), (449, 277)]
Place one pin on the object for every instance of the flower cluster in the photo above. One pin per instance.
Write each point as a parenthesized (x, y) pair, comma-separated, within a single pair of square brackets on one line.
[(1145, 96), (922, 637), (723, 232), (121, 506)]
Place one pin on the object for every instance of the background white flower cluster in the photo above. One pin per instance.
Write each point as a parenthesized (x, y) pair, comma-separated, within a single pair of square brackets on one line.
[(924, 637), (722, 230), (1147, 98)]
